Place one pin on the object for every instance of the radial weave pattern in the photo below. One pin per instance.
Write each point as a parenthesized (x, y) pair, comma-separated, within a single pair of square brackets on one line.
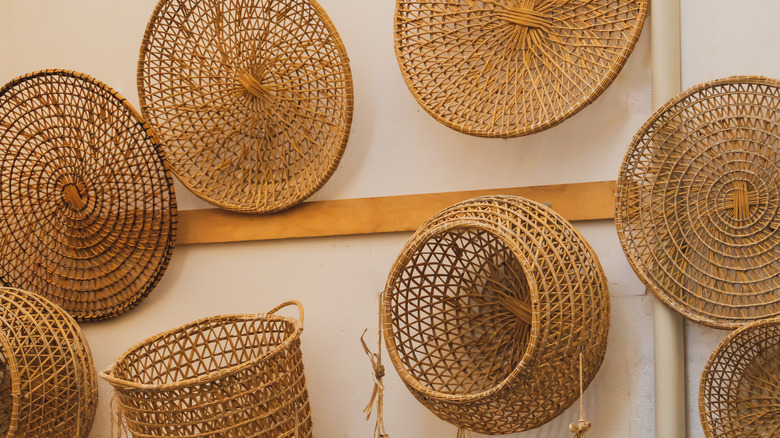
[(487, 309), (698, 202), (88, 211), (224, 376), (48, 386), (739, 395), (506, 68), (252, 99)]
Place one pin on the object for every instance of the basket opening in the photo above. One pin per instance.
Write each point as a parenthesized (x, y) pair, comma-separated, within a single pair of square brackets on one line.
[(6, 396), (454, 326), (207, 347)]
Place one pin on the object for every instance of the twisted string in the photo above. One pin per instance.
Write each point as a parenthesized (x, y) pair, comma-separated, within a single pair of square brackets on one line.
[(379, 372), (583, 425)]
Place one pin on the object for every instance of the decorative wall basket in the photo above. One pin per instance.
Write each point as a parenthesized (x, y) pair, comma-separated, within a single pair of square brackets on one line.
[(487, 309), (48, 386), (234, 375), (698, 202), (87, 209), (505, 68), (252, 99), (739, 395)]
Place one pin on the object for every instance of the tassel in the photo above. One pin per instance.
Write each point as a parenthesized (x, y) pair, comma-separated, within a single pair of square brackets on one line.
[(583, 425), (379, 388), (463, 433)]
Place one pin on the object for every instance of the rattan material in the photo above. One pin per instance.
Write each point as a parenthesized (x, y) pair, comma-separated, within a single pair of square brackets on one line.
[(224, 376), (507, 68), (252, 99), (87, 209), (739, 394), (487, 309), (698, 200), (48, 386)]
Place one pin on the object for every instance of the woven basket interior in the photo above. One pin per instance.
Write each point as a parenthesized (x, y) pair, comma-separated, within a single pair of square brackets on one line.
[(205, 348), (453, 327)]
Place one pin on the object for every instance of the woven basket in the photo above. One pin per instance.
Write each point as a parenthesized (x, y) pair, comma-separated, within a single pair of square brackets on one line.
[(252, 99), (698, 202), (226, 376), (504, 68), (87, 209), (487, 309), (739, 394), (48, 386)]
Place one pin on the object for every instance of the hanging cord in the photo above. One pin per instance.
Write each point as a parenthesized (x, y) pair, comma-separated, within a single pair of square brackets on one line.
[(116, 416), (379, 372), (463, 433), (583, 425)]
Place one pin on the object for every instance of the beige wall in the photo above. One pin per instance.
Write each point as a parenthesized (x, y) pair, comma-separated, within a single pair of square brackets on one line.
[(396, 148)]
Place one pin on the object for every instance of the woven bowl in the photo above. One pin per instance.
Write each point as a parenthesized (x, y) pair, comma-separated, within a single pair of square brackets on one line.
[(698, 202), (87, 208), (252, 99), (739, 393), (505, 68), (487, 309), (223, 376), (48, 386)]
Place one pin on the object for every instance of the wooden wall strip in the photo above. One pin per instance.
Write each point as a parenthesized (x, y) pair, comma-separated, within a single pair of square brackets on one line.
[(582, 201)]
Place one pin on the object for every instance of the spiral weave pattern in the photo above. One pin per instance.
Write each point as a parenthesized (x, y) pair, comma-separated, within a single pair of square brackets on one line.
[(87, 209), (698, 202)]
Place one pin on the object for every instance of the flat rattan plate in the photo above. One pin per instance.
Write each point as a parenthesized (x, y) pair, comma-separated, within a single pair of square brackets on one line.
[(88, 213), (698, 202), (507, 68), (252, 99)]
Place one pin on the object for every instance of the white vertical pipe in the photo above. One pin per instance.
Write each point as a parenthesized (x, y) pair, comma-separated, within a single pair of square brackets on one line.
[(669, 339)]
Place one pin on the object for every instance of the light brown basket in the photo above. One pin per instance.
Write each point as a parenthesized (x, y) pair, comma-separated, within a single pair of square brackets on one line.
[(48, 385), (698, 202), (739, 393), (87, 209), (504, 68), (252, 99), (224, 376), (487, 309)]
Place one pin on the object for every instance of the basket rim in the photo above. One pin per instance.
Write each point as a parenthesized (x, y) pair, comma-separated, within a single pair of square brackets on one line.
[(622, 225), (420, 238), (119, 382)]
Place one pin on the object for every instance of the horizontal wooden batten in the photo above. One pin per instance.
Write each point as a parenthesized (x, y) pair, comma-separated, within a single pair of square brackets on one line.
[(580, 201)]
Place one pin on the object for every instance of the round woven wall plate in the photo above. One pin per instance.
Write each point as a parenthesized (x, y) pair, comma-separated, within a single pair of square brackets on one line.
[(88, 210), (252, 99), (698, 198), (486, 311), (739, 393), (507, 68)]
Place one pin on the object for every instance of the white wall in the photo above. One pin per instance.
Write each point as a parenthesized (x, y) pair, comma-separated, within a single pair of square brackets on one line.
[(396, 148)]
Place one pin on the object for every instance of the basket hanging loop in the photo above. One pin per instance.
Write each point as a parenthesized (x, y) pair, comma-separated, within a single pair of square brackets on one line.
[(287, 304)]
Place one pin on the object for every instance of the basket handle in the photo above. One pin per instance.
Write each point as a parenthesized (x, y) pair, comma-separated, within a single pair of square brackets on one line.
[(287, 304)]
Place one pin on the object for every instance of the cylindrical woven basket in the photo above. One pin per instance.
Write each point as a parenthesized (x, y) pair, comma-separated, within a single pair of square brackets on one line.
[(87, 208), (739, 394), (698, 202), (226, 376), (487, 309), (48, 385), (252, 99), (504, 68)]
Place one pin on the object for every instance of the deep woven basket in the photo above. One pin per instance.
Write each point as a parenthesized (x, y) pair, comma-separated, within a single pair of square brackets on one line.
[(87, 209), (698, 202), (224, 376), (251, 99), (505, 68), (739, 394), (487, 309), (48, 385)]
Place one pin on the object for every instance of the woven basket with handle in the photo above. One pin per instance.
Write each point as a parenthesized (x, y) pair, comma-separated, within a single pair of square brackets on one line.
[(487, 309)]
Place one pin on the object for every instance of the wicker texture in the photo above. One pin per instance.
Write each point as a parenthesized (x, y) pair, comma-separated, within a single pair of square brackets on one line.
[(252, 99), (48, 386), (487, 309), (505, 68), (224, 376), (698, 202), (87, 209), (739, 394)]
